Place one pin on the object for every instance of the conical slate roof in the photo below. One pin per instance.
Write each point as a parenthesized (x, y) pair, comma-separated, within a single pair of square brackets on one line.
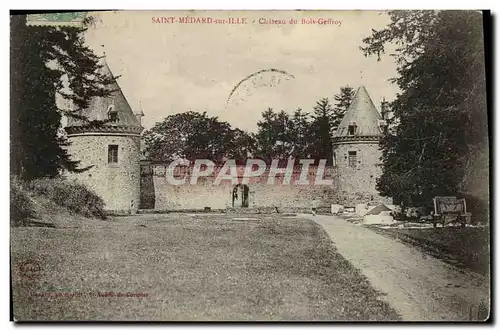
[(100, 106), (363, 114)]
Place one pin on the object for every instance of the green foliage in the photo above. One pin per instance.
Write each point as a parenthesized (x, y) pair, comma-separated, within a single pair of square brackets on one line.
[(242, 145), (274, 137), (73, 196), (22, 207), (193, 135), (324, 122), (343, 101), (302, 135), (40, 57), (321, 147), (478, 206), (409, 30), (300, 129), (439, 120)]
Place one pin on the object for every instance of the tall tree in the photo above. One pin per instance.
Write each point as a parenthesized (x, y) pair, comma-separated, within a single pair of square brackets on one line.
[(299, 128), (321, 140), (242, 145), (193, 135), (440, 116), (343, 101), (273, 136), (40, 57)]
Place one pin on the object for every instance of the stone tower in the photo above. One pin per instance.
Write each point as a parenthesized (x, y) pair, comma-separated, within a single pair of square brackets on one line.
[(356, 152), (111, 149)]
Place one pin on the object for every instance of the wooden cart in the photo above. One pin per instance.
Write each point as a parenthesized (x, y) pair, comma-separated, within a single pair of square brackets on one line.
[(450, 210)]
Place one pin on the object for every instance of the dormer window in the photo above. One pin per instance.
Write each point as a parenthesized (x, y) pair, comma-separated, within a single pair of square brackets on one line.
[(351, 129), (112, 114)]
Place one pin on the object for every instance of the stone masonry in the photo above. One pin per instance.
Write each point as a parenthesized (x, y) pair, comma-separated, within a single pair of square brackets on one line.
[(112, 151)]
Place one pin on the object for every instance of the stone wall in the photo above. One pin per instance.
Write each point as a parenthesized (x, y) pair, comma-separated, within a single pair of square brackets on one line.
[(118, 184), (158, 193), (129, 185), (358, 184)]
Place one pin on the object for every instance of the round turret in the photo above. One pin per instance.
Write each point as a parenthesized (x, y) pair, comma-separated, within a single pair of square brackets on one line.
[(356, 152), (108, 144)]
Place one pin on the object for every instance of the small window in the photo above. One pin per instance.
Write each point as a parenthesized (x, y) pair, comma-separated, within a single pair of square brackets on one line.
[(113, 117), (351, 130), (334, 159), (352, 159), (112, 114), (113, 154)]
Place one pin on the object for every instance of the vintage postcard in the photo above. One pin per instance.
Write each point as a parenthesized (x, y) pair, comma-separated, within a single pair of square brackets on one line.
[(250, 166)]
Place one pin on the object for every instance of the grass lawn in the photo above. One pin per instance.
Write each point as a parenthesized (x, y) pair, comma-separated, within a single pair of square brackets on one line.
[(182, 267), (462, 247)]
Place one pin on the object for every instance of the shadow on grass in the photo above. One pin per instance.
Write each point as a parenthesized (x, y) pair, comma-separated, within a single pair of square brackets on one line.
[(32, 223)]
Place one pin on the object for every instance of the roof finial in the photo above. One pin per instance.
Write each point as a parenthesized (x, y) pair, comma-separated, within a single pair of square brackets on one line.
[(141, 113), (383, 108)]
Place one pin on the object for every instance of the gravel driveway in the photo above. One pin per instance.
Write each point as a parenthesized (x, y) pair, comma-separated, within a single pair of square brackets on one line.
[(418, 286)]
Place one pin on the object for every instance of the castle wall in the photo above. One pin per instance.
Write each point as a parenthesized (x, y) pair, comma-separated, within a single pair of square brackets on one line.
[(158, 193), (358, 184), (118, 184), (130, 185)]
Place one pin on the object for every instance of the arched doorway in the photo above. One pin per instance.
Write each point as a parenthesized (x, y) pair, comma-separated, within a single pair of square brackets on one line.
[(240, 196)]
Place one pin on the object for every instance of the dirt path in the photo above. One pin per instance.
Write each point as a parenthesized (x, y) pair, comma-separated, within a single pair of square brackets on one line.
[(418, 286)]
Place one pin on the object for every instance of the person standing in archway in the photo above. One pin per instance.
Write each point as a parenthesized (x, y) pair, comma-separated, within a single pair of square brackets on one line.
[(244, 198), (235, 194)]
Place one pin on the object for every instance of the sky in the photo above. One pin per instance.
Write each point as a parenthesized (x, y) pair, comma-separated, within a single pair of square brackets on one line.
[(169, 68)]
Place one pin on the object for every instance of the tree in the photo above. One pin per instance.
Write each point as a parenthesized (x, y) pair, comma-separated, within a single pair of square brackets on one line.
[(321, 140), (343, 101), (273, 137), (242, 146), (439, 120), (193, 135), (299, 128), (40, 57)]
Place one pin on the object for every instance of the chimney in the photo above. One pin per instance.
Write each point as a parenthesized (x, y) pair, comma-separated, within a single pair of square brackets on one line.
[(383, 109), (139, 115)]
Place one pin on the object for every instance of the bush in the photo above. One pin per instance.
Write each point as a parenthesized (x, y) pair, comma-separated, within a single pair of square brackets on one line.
[(22, 207), (75, 197), (479, 207)]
